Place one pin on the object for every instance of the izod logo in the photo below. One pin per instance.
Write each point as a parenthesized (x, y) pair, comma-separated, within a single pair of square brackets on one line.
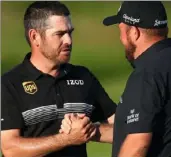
[(30, 87), (75, 82)]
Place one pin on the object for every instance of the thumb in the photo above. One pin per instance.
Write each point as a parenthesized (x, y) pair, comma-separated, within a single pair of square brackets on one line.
[(81, 115), (74, 116)]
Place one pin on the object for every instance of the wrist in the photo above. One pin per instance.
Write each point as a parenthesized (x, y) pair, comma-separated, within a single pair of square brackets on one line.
[(97, 135), (64, 138)]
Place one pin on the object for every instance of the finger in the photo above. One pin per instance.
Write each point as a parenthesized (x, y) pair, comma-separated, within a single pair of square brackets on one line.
[(60, 131), (91, 129), (91, 134), (65, 129), (67, 117), (88, 127), (74, 116), (81, 115), (66, 124), (85, 121)]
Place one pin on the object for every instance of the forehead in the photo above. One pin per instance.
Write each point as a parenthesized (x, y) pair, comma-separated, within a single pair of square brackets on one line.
[(59, 22), (122, 25)]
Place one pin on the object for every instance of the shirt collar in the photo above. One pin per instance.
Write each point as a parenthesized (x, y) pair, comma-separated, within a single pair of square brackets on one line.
[(151, 52), (34, 73)]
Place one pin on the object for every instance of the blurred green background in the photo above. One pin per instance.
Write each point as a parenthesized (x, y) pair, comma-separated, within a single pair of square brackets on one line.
[(94, 46)]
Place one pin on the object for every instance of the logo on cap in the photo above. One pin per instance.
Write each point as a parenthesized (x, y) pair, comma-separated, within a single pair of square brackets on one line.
[(130, 20), (30, 87), (158, 23)]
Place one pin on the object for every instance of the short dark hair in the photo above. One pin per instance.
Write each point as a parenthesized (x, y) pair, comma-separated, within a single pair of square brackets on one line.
[(161, 32), (38, 12)]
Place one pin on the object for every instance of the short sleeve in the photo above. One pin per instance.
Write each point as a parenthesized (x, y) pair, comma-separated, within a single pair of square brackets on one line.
[(11, 117), (104, 106), (143, 98)]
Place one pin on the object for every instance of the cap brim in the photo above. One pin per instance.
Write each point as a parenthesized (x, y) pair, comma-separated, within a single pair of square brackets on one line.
[(111, 20)]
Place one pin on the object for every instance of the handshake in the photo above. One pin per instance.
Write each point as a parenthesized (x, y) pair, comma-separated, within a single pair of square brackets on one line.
[(78, 128)]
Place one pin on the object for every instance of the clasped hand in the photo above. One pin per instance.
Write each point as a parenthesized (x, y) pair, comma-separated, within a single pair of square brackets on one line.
[(78, 127)]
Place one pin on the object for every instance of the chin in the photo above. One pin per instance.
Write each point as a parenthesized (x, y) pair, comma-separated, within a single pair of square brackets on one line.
[(65, 59)]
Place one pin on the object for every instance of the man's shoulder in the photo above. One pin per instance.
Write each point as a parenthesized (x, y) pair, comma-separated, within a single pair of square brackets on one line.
[(165, 57), (79, 69), (162, 61), (12, 74)]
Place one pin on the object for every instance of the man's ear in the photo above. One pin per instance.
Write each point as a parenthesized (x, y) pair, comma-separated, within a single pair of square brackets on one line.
[(135, 33), (34, 37)]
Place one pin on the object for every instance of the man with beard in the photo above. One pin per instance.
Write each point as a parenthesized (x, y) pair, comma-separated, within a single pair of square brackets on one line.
[(142, 126), (37, 93)]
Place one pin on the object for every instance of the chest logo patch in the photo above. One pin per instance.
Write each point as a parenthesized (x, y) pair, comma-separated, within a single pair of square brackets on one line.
[(30, 87)]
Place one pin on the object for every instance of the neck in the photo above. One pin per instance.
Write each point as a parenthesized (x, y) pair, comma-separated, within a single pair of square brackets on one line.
[(145, 44), (44, 65)]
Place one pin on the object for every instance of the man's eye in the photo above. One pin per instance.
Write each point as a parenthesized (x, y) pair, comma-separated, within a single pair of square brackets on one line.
[(70, 33), (60, 34)]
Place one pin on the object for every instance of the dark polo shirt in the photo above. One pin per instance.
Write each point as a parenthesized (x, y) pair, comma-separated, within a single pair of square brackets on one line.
[(36, 103), (145, 106)]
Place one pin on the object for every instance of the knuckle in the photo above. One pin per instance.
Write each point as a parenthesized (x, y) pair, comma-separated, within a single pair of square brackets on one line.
[(63, 121), (85, 139), (93, 133), (88, 119), (90, 123), (84, 131), (66, 116), (61, 126)]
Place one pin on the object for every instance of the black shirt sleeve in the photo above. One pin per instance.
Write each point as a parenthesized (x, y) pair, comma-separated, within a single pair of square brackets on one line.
[(11, 117), (143, 99), (104, 106)]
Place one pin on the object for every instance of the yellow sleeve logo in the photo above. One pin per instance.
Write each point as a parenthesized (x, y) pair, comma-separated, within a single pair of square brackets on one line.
[(30, 87)]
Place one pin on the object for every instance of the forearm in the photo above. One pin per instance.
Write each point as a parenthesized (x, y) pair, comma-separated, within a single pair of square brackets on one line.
[(135, 145), (36, 147), (134, 152), (104, 133)]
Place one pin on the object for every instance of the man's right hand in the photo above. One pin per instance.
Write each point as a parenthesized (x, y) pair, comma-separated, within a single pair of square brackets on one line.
[(78, 127), (67, 121)]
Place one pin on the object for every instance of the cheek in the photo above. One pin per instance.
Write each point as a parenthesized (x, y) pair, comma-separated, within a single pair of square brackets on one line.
[(123, 38), (54, 42), (43, 44)]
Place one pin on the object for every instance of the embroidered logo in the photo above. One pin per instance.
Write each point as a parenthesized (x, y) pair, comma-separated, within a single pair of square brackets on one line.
[(130, 20), (75, 82), (158, 23), (30, 87), (133, 117)]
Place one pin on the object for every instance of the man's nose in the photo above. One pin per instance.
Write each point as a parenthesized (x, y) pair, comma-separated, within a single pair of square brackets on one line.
[(67, 39)]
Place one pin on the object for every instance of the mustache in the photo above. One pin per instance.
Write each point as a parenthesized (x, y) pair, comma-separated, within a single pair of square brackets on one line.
[(66, 47)]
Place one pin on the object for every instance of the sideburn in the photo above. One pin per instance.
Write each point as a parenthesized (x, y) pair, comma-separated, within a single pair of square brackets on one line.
[(130, 49)]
